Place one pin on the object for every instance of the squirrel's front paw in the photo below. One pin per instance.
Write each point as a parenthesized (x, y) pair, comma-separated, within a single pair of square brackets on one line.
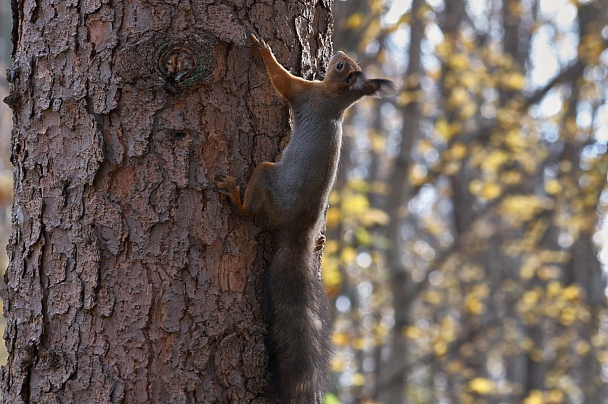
[(259, 45)]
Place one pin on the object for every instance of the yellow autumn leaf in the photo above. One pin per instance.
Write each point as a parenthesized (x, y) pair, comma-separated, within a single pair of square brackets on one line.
[(413, 332), (434, 74), (473, 304), (530, 298), (469, 79), (448, 328), (378, 142), (572, 292), (358, 379), (458, 61), (493, 161), (553, 187), (454, 367), (331, 247), (521, 208), (467, 110), (440, 347), (330, 270), (505, 61), (491, 191), (359, 185), (348, 255), (363, 236), (333, 217), (355, 20), (446, 130), (526, 344), (451, 168), (374, 217), (337, 364), (554, 288), (432, 297), (475, 187), (407, 97), (567, 316), (511, 177), (548, 272), (514, 82), (459, 97), (535, 397), (340, 339), (334, 198), (458, 150), (481, 385), (443, 129), (417, 175), (582, 348), (527, 272), (355, 205), (555, 396), (554, 256), (507, 117), (515, 139), (359, 344), (444, 49)]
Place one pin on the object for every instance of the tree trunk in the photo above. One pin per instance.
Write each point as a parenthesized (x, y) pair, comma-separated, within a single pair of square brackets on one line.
[(393, 381), (130, 279)]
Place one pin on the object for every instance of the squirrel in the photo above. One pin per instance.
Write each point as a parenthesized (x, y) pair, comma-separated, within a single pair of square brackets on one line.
[(288, 200)]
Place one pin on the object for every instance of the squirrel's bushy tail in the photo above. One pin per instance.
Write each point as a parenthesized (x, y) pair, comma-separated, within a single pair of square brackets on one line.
[(299, 323)]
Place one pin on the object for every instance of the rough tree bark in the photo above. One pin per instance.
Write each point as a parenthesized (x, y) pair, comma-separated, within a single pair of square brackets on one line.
[(130, 280)]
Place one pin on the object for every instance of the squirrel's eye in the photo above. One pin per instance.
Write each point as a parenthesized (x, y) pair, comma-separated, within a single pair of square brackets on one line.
[(339, 66)]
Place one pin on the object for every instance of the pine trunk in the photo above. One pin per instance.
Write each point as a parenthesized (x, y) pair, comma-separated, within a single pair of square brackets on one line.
[(130, 279)]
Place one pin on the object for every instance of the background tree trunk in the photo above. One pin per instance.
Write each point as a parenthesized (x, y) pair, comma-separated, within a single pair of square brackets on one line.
[(130, 280)]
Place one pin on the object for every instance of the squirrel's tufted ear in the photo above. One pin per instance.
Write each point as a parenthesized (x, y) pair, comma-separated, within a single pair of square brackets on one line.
[(379, 88)]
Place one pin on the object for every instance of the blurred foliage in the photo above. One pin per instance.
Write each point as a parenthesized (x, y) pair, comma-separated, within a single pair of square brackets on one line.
[(464, 230)]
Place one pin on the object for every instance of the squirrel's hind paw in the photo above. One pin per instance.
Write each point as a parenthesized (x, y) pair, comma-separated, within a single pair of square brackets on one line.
[(228, 188)]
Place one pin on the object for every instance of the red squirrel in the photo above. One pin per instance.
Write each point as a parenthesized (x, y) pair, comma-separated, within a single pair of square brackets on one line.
[(288, 200)]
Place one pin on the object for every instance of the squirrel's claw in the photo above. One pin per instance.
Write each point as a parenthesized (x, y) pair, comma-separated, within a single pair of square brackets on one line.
[(320, 243), (228, 188), (259, 43)]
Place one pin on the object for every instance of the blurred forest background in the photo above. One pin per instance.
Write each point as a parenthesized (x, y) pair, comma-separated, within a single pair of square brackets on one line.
[(465, 227), (463, 256)]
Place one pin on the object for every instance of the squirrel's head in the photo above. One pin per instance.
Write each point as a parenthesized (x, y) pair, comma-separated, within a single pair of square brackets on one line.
[(345, 76), (342, 72)]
